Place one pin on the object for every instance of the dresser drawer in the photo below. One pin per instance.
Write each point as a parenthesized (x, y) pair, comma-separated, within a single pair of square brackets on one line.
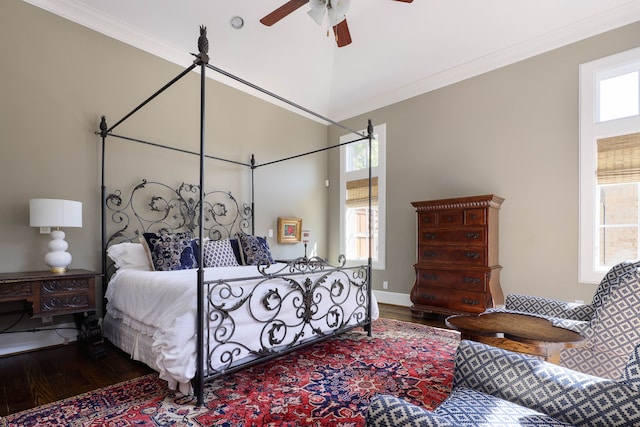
[(456, 300), (475, 281), (475, 217), (450, 218), (471, 256), (427, 219), (465, 236), (60, 296)]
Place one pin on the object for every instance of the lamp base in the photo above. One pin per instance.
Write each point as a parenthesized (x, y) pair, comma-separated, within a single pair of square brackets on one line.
[(58, 259)]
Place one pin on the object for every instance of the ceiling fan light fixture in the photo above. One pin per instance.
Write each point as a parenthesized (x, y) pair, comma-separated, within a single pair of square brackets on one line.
[(318, 8), (336, 11)]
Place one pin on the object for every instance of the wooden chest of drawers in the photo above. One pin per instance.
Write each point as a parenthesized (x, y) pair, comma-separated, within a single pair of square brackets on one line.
[(458, 269)]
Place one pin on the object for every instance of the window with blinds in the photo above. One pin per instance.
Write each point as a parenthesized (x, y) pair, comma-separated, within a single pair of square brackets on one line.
[(618, 178), (354, 198), (609, 163)]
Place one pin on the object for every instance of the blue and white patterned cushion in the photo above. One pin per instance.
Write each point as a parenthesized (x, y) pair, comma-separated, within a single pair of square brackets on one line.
[(254, 250), (631, 373), (171, 251), (390, 411), (613, 333), (611, 280), (466, 407), (219, 253), (564, 394)]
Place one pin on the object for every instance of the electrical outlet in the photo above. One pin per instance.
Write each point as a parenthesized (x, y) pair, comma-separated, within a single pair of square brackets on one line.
[(270, 232), (385, 285)]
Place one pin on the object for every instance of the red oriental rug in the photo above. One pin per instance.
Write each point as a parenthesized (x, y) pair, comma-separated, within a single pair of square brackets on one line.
[(326, 384)]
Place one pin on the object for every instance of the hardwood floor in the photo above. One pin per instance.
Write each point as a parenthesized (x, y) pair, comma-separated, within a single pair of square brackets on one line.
[(39, 377)]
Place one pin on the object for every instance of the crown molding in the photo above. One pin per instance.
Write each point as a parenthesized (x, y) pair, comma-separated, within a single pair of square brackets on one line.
[(615, 18)]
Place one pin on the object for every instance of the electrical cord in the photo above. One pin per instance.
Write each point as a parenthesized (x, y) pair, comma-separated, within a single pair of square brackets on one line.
[(8, 331), (14, 323)]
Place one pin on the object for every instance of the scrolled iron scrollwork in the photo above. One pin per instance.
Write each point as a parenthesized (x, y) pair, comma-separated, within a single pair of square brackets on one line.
[(303, 299), (156, 207)]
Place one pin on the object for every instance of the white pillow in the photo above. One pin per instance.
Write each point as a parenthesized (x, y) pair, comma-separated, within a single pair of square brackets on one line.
[(129, 255)]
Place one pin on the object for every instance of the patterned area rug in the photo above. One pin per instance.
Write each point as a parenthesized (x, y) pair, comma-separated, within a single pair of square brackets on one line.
[(325, 384)]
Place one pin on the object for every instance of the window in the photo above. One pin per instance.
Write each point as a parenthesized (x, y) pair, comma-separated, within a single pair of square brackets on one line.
[(609, 163), (354, 198)]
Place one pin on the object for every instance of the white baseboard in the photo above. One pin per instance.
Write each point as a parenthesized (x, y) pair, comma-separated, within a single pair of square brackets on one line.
[(26, 341), (393, 298)]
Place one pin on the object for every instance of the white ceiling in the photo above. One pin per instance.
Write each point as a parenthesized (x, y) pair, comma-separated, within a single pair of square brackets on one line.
[(399, 50)]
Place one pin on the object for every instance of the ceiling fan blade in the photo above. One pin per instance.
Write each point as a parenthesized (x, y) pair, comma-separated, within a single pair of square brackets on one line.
[(405, 1), (341, 31), (282, 11)]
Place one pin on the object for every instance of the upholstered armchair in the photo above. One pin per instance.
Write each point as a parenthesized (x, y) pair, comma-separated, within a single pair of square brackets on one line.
[(492, 386), (610, 324), (572, 316)]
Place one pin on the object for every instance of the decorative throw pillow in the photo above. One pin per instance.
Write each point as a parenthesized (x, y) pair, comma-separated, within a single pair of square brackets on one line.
[(235, 245), (218, 253), (254, 249), (129, 255), (171, 251)]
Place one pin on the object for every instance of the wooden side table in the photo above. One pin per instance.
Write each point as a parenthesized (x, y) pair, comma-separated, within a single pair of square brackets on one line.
[(516, 332), (53, 294)]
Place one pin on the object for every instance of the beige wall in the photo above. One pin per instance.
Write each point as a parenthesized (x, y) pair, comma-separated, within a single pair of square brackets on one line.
[(57, 78), (511, 132)]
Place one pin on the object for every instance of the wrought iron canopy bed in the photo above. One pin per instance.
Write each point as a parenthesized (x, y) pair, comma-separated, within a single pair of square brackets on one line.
[(240, 318)]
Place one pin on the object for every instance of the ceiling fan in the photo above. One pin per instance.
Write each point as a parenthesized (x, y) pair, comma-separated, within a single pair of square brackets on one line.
[(335, 10)]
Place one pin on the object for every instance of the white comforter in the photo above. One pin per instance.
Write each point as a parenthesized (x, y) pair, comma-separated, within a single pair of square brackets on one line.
[(163, 305)]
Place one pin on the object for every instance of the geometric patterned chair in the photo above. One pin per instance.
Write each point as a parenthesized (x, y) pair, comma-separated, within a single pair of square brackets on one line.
[(610, 325), (498, 387)]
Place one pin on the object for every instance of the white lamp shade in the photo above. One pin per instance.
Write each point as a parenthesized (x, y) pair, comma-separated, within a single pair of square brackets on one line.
[(55, 213)]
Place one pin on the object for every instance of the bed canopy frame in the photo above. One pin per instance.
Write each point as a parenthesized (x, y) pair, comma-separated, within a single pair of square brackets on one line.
[(201, 63)]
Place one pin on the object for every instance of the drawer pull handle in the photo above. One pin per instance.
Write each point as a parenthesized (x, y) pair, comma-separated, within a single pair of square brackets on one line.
[(430, 236), (427, 297), (429, 276), (472, 255), (468, 301), (427, 220), (473, 236), (429, 254), (449, 218), (468, 279)]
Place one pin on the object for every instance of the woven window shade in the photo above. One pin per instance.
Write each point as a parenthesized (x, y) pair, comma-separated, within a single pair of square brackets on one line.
[(358, 192), (619, 159)]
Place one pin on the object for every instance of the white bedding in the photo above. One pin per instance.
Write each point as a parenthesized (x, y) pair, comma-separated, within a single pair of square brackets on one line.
[(162, 305)]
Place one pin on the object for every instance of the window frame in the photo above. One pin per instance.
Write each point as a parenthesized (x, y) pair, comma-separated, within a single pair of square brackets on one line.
[(380, 171), (591, 129)]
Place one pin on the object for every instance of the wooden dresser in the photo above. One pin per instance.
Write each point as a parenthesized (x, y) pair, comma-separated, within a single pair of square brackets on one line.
[(49, 293), (458, 269)]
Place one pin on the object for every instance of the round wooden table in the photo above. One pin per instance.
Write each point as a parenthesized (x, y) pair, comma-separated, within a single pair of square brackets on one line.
[(516, 332)]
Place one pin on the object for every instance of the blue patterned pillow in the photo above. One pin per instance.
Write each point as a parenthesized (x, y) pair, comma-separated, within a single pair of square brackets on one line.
[(235, 245), (171, 251), (254, 249), (218, 253)]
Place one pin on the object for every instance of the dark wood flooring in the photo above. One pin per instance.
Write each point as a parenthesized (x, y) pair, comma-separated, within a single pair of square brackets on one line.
[(35, 378)]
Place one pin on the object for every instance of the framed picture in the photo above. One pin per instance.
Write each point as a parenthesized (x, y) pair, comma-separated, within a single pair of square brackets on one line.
[(289, 230)]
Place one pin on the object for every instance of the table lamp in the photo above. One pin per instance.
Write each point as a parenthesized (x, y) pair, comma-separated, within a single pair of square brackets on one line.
[(56, 213)]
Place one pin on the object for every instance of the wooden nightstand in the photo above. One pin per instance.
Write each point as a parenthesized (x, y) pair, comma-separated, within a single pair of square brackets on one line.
[(52, 294)]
